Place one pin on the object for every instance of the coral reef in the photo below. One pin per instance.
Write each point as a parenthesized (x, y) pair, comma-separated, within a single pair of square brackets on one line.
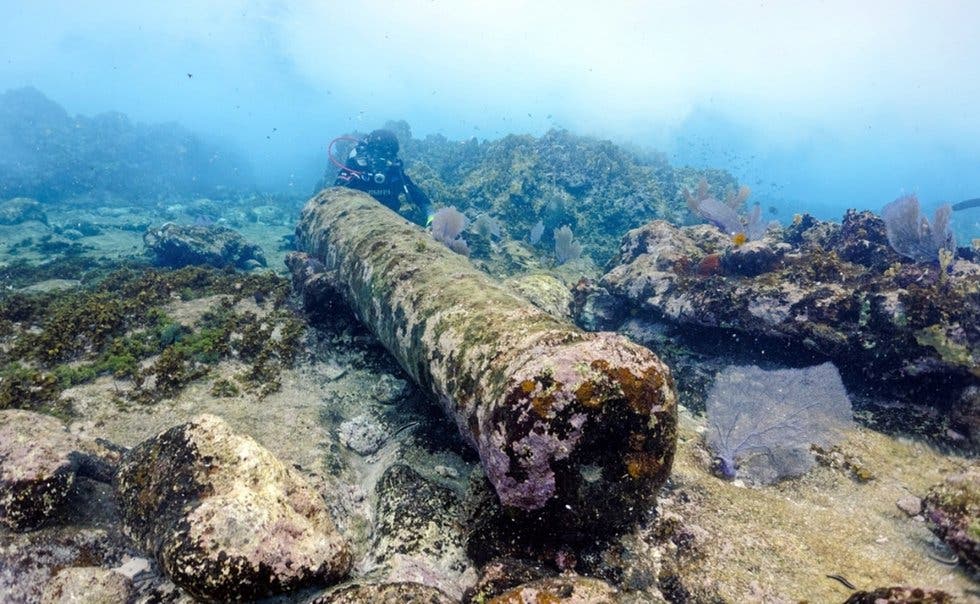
[(596, 188), (899, 328), (539, 399), (225, 518)]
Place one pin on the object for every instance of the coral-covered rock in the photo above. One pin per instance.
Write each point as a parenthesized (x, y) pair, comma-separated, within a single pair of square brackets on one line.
[(37, 467), (362, 434), (417, 536), (904, 326), (182, 245), (21, 209), (953, 510), (385, 593), (28, 561), (594, 308), (87, 585), (862, 240), (753, 258), (567, 589), (900, 595), (544, 291), (502, 574), (225, 518)]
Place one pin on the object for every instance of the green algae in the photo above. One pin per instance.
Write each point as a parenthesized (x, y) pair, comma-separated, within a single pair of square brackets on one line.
[(954, 353), (119, 326)]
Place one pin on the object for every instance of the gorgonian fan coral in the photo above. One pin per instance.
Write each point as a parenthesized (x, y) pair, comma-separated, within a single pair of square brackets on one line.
[(761, 423)]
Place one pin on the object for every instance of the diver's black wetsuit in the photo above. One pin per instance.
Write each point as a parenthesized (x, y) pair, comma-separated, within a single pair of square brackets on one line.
[(381, 175)]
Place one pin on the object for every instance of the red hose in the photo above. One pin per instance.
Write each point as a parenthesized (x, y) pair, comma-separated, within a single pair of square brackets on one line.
[(334, 161)]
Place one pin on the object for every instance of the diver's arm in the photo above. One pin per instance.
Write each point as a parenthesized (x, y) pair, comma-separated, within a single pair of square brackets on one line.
[(416, 196)]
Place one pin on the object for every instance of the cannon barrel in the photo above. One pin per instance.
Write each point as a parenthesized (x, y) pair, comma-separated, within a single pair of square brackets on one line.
[(576, 427)]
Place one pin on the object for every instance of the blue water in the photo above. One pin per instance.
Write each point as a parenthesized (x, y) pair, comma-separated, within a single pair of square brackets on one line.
[(818, 107)]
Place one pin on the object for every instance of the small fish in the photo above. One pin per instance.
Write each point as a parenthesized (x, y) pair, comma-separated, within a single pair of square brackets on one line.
[(190, 75), (951, 561), (842, 581)]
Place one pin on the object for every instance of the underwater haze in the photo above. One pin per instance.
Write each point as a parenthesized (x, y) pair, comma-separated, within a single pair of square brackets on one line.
[(816, 106), (470, 302)]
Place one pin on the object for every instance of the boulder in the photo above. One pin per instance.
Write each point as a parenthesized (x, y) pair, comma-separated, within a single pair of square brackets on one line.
[(225, 518), (37, 467), (385, 593), (953, 511), (21, 209), (417, 535), (181, 245), (87, 585), (363, 434), (544, 291), (567, 589)]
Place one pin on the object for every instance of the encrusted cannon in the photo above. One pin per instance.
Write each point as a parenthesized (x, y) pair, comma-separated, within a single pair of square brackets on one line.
[(575, 428)]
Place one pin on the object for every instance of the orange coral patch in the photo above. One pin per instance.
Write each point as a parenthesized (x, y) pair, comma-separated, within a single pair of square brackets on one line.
[(642, 465)]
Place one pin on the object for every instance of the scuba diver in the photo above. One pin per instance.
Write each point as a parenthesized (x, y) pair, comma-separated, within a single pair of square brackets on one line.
[(373, 167)]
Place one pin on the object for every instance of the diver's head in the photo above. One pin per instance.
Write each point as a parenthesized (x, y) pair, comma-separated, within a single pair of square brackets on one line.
[(382, 144)]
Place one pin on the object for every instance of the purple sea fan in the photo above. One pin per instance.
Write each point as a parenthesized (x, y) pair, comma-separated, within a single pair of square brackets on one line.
[(911, 235), (566, 248), (447, 224), (721, 215), (536, 232), (761, 423)]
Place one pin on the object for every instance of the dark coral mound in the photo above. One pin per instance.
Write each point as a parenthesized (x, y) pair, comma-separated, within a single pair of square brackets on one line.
[(178, 245), (816, 289), (51, 155)]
